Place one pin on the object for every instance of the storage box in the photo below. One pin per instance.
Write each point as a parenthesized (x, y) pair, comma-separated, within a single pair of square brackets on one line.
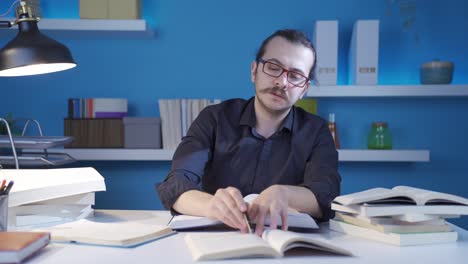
[(110, 9), (364, 53), (94, 133), (142, 132), (325, 41)]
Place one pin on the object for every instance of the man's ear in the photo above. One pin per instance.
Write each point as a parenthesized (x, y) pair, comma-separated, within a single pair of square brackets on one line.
[(253, 70), (305, 89)]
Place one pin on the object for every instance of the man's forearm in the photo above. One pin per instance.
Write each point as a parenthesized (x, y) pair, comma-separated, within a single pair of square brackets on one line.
[(192, 202), (303, 200)]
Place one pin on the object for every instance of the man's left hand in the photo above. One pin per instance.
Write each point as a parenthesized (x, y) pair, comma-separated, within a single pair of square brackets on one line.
[(273, 203)]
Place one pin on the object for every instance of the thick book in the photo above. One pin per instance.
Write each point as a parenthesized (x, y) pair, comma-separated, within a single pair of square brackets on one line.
[(401, 195), (394, 227), (398, 239), (17, 246), (273, 243), (35, 185), (295, 220)]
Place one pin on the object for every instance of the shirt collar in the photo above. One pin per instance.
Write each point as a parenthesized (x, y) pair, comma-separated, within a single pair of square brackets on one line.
[(248, 116)]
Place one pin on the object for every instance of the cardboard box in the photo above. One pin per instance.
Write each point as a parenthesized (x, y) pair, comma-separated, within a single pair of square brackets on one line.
[(95, 133), (110, 9), (142, 132), (364, 53), (325, 40)]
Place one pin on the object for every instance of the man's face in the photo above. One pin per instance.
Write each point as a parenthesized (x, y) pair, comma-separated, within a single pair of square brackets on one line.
[(276, 94)]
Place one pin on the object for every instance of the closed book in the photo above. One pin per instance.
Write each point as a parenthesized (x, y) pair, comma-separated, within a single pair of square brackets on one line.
[(406, 239), (325, 40), (364, 53), (17, 246)]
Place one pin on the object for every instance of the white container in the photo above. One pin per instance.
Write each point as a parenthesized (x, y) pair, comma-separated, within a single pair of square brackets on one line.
[(364, 53), (325, 40)]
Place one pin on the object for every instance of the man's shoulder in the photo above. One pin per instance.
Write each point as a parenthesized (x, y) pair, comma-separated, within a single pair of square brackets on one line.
[(305, 120)]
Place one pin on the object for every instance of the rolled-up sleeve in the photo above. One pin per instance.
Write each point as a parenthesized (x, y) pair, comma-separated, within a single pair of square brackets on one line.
[(321, 172), (189, 161)]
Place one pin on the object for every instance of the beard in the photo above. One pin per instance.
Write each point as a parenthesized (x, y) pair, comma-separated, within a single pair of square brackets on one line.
[(274, 106)]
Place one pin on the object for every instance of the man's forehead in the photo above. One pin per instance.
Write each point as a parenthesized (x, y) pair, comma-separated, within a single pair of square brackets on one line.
[(292, 55)]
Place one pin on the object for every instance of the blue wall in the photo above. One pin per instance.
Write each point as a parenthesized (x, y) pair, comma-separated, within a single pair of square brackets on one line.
[(204, 49)]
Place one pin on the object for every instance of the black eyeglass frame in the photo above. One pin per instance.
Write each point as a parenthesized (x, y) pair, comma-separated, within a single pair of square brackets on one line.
[(307, 79)]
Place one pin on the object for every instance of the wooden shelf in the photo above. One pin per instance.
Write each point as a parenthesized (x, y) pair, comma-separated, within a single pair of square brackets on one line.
[(345, 155), (388, 91), (100, 28)]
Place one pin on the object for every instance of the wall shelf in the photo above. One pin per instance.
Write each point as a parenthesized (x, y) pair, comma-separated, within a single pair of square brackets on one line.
[(388, 91), (345, 155), (101, 28)]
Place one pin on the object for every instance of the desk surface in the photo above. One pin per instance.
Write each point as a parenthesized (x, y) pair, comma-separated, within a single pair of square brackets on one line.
[(173, 249)]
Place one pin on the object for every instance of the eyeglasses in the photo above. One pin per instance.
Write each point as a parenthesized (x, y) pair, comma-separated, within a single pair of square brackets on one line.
[(274, 70)]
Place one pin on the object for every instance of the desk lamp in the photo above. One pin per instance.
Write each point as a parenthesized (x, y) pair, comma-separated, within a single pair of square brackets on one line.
[(31, 52)]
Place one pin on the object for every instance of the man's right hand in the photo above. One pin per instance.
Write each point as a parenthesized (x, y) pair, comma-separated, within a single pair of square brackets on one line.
[(228, 206)]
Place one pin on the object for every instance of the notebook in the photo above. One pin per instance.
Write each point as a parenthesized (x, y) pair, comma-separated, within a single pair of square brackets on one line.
[(17, 246)]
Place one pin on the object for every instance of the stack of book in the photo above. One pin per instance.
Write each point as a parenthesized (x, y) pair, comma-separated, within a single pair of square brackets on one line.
[(97, 107), (400, 216), (43, 197), (176, 117)]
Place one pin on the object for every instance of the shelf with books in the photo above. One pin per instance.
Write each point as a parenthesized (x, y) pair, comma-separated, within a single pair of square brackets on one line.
[(388, 91), (345, 155), (102, 28)]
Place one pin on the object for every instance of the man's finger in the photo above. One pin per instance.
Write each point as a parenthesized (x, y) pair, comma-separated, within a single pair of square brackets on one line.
[(231, 205), (260, 220), (284, 219), (238, 199)]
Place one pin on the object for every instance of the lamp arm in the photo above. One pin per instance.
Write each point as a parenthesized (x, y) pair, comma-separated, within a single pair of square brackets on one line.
[(6, 24)]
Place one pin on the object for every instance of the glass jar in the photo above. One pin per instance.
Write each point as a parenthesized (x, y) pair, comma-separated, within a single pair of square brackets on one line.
[(379, 136)]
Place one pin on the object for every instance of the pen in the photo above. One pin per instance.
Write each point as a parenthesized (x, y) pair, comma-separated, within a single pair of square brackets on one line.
[(247, 221), (8, 188)]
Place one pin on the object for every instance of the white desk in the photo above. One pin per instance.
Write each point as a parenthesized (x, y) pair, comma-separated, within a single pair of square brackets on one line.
[(173, 250)]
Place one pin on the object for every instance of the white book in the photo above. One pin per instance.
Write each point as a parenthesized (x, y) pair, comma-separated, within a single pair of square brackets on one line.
[(82, 198), (325, 40), (394, 238), (364, 53), (165, 124), (401, 195), (183, 116), (372, 210), (273, 243), (295, 219), (35, 185), (393, 227), (25, 217)]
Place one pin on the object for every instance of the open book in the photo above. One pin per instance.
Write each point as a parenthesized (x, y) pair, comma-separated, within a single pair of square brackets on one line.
[(120, 228), (273, 243), (401, 195), (295, 219)]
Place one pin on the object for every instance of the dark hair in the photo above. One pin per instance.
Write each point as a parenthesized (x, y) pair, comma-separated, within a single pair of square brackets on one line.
[(293, 36)]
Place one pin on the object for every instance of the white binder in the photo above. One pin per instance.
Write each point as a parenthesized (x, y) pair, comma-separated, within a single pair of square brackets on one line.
[(325, 40), (364, 53)]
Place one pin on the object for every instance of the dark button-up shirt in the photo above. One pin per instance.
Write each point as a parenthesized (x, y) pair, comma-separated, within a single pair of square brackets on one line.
[(222, 148)]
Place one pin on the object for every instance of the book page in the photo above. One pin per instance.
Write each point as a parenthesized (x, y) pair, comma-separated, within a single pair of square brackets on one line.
[(423, 196), (375, 195), (282, 241), (227, 245)]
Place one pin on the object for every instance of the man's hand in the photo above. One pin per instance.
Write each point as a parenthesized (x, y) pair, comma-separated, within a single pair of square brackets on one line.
[(228, 206), (272, 202)]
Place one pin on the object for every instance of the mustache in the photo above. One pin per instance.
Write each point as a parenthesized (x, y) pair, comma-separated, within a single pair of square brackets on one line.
[(275, 89)]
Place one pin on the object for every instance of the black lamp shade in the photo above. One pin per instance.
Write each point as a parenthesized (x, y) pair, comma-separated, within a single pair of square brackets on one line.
[(32, 52)]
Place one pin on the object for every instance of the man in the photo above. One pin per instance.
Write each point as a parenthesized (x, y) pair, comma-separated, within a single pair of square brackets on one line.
[(264, 145)]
